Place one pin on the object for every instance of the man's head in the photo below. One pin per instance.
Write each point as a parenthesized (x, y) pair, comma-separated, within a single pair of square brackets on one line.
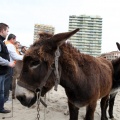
[(17, 45), (23, 49), (12, 38), (4, 30)]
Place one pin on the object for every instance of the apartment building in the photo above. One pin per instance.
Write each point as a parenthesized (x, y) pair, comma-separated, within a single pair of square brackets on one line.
[(42, 27), (88, 40)]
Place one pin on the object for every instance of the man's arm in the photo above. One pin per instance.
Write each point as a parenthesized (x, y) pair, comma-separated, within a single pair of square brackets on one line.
[(4, 62), (12, 52)]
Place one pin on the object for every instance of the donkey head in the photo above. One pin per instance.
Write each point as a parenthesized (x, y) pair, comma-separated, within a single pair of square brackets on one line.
[(37, 62)]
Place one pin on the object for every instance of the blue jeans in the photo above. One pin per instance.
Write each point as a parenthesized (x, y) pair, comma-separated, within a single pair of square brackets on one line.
[(8, 83), (2, 80)]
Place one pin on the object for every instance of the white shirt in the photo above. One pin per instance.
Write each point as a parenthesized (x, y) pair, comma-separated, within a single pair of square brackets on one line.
[(12, 53)]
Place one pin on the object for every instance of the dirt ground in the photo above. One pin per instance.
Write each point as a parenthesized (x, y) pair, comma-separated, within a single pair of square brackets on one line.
[(57, 106)]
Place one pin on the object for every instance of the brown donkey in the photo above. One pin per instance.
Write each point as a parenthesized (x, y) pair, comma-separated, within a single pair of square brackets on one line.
[(53, 61)]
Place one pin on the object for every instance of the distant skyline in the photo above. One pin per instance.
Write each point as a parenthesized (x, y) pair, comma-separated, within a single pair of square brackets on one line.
[(23, 14)]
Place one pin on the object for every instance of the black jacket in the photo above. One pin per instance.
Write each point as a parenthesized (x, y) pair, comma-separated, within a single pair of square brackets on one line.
[(4, 54)]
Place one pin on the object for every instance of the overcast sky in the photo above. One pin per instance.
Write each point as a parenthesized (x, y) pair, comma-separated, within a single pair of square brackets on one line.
[(21, 15)]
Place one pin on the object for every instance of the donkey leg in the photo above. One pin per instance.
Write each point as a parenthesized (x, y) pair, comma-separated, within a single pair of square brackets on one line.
[(104, 104), (111, 104), (13, 87), (90, 109), (73, 111)]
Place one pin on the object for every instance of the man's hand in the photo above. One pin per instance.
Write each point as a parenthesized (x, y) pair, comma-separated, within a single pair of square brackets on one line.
[(12, 64)]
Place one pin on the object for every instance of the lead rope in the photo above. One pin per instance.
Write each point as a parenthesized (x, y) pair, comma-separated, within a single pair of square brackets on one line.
[(12, 107), (45, 108), (38, 105), (57, 81)]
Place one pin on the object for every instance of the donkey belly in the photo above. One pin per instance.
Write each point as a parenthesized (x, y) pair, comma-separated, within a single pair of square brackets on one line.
[(81, 101), (115, 90), (79, 104), (81, 97)]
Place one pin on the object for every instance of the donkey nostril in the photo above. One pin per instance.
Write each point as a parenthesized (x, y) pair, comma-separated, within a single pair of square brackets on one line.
[(21, 98)]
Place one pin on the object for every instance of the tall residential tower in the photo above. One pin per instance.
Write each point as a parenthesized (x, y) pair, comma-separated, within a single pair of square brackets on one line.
[(88, 39)]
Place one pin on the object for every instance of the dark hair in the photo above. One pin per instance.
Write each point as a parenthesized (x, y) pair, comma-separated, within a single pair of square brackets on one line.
[(23, 47), (16, 42), (3, 26), (11, 36)]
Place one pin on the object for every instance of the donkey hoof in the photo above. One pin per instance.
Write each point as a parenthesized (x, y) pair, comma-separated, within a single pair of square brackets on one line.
[(104, 118)]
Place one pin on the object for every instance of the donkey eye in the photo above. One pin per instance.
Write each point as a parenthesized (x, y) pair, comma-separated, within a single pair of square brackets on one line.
[(34, 63)]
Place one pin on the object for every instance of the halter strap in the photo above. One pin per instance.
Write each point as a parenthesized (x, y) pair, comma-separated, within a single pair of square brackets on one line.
[(54, 67), (29, 87)]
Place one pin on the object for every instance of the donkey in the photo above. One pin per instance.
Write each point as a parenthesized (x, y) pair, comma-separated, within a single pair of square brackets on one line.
[(116, 84), (53, 61)]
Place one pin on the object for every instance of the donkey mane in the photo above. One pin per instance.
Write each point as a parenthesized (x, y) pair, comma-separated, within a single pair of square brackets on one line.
[(67, 47), (43, 35), (69, 59)]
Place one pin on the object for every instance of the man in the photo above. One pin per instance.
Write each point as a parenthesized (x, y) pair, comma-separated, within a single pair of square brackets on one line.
[(23, 50), (18, 47), (13, 57), (4, 64)]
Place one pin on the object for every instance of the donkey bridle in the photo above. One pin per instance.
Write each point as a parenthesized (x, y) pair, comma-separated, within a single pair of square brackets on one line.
[(54, 66)]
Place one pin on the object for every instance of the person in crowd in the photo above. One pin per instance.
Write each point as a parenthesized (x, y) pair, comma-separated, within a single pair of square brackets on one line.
[(18, 47), (23, 50), (4, 64), (13, 57)]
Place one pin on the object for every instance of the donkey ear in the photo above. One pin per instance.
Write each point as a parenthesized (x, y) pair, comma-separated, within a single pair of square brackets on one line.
[(62, 37), (118, 45)]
